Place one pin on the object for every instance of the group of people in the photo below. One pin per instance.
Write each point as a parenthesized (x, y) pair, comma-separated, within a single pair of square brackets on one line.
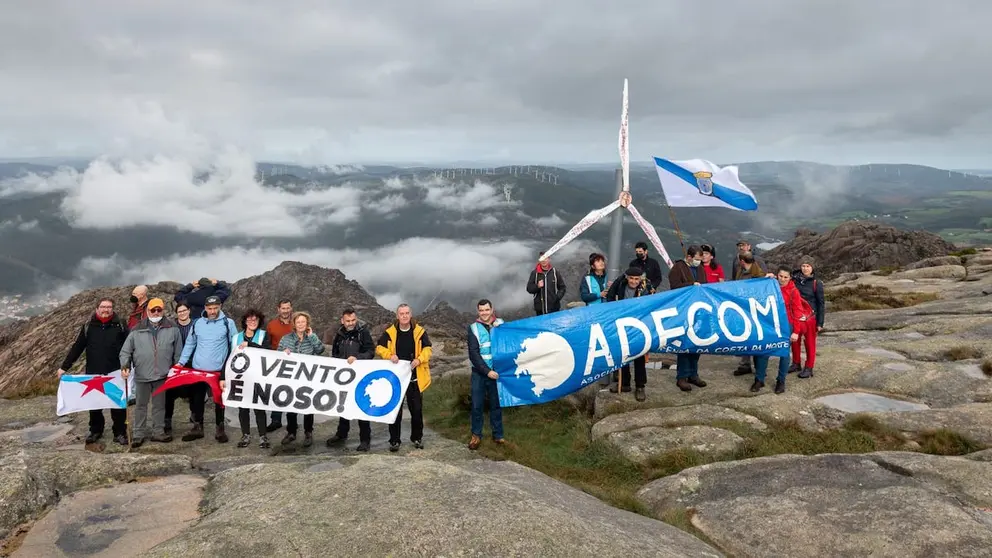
[(801, 290), (201, 337)]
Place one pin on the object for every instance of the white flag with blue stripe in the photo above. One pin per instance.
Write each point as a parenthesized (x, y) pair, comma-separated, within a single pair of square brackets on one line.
[(700, 183)]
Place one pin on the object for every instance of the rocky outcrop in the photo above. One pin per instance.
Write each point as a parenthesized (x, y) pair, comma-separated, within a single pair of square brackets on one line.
[(388, 506), (882, 504), (858, 246)]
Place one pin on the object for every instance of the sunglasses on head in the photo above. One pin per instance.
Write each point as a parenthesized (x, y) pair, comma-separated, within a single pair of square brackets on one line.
[(155, 310)]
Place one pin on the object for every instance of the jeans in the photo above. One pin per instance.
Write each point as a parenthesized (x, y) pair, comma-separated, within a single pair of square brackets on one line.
[(197, 404), (415, 401), (293, 425), (485, 389), (686, 366), (761, 367), (142, 395), (364, 430), (118, 416)]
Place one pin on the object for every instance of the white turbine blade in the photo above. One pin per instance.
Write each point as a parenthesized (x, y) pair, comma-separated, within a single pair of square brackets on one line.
[(589, 220), (652, 234), (624, 147)]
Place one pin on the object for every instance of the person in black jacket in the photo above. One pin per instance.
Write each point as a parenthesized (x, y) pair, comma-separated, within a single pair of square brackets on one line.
[(635, 284), (811, 289), (649, 265), (195, 294), (101, 339), (353, 341), (688, 273), (547, 286)]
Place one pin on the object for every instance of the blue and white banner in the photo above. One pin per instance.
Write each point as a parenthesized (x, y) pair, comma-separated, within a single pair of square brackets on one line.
[(700, 183), (543, 358)]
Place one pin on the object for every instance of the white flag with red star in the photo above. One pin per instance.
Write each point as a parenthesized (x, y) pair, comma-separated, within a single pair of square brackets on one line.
[(88, 392)]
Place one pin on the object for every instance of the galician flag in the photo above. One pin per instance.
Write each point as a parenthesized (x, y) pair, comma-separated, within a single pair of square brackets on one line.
[(700, 183), (88, 392)]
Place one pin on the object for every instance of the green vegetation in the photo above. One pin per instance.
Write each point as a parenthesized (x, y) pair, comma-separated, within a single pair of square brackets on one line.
[(34, 388), (987, 366), (962, 352), (886, 270), (873, 297), (964, 252), (554, 438)]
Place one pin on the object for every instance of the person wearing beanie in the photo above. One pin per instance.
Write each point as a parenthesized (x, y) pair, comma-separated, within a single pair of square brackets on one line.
[(592, 289), (633, 285), (195, 294), (811, 290), (687, 273)]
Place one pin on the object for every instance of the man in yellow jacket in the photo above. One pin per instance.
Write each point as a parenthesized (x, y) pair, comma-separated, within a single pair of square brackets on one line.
[(405, 339)]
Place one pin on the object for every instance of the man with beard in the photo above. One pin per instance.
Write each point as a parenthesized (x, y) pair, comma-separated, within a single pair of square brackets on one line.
[(279, 326), (353, 341), (101, 339), (647, 264), (207, 348)]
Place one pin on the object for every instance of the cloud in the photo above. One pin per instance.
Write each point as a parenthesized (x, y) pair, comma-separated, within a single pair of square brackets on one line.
[(19, 224), (388, 204), (458, 271), (398, 81), (462, 197), (551, 221)]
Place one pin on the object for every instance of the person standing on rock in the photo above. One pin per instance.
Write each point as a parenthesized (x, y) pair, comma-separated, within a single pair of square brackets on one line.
[(149, 351), (484, 385), (279, 326), (635, 284), (714, 271), (547, 286), (405, 339), (746, 267), (687, 273), (305, 342), (251, 335), (101, 339), (593, 288), (647, 264), (795, 312), (353, 341), (183, 323), (744, 247), (195, 294), (811, 290), (139, 298), (206, 350)]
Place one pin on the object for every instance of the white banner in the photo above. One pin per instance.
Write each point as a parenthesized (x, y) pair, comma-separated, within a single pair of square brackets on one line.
[(274, 381)]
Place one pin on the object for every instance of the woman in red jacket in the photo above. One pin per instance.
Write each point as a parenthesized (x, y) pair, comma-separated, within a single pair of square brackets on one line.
[(714, 271), (797, 314)]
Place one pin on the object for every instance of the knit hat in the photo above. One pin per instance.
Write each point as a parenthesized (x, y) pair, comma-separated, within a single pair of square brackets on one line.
[(806, 260)]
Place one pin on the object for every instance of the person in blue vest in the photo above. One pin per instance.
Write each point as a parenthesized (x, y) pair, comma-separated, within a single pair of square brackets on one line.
[(484, 387), (594, 285), (253, 335)]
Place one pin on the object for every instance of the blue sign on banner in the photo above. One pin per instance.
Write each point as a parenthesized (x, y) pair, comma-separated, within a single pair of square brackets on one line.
[(543, 358)]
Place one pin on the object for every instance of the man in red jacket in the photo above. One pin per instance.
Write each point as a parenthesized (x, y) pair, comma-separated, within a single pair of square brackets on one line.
[(798, 312)]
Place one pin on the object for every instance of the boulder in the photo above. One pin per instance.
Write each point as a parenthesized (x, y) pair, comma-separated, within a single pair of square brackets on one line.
[(933, 272), (641, 445), (973, 420), (393, 506), (934, 262), (667, 417), (884, 505)]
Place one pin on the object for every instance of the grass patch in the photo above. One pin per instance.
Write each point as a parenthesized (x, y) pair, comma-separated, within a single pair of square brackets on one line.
[(962, 352), (947, 442), (987, 366), (34, 388), (886, 270), (873, 297), (964, 252)]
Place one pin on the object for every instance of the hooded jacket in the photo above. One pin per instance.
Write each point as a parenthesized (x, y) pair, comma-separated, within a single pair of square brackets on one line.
[(101, 343), (196, 297), (812, 292), (150, 351), (681, 275), (386, 348), (356, 343), (547, 299), (796, 308), (209, 342)]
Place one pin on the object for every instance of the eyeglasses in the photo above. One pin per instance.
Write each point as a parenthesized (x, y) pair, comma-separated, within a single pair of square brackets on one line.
[(155, 311)]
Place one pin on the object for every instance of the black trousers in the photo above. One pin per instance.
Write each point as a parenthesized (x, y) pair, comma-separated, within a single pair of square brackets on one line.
[(292, 426), (118, 417), (364, 429), (244, 417), (415, 401), (197, 404), (276, 417), (640, 373)]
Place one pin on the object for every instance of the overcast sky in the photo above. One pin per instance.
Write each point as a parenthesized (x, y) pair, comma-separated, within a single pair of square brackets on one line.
[(523, 80)]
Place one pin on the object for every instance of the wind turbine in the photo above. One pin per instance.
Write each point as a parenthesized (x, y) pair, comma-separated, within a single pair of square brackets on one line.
[(624, 200)]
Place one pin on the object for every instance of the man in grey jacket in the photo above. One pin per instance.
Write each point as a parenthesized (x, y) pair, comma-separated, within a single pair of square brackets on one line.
[(150, 350)]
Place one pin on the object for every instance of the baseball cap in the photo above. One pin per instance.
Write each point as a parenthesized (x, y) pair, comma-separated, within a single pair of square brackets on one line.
[(212, 300), (156, 303), (742, 241)]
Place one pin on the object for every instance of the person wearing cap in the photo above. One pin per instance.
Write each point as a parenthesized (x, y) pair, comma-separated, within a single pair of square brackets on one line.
[(635, 284), (207, 348), (687, 273), (547, 286), (744, 247), (149, 351), (195, 294)]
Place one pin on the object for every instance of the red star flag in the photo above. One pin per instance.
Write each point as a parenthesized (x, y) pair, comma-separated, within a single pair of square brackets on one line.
[(180, 376), (89, 392)]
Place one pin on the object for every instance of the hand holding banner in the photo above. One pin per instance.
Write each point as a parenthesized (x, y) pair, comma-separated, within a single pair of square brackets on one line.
[(370, 390), (90, 392)]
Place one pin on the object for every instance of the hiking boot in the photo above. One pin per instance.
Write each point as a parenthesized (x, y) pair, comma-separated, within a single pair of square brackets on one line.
[(613, 387), (795, 367), (756, 386), (273, 426), (696, 381), (168, 427), (419, 444), (474, 443), (639, 394), (289, 439), (394, 447), (499, 441), (779, 387), (307, 439), (161, 438), (363, 446), (626, 389), (263, 442), (683, 384), (92, 437), (245, 441), (137, 443), (121, 440), (743, 371), (806, 373), (221, 435), (336, 440), (195, 433)]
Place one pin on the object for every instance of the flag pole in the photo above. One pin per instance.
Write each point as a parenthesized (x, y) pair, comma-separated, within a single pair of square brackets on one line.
[(678, 231), (127, 419)]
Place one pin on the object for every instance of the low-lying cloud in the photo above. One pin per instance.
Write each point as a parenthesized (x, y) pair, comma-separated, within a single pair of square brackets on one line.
[(415, 270)]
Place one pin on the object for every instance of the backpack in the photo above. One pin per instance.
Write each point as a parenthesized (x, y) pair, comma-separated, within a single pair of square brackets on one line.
[(227, 329)]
